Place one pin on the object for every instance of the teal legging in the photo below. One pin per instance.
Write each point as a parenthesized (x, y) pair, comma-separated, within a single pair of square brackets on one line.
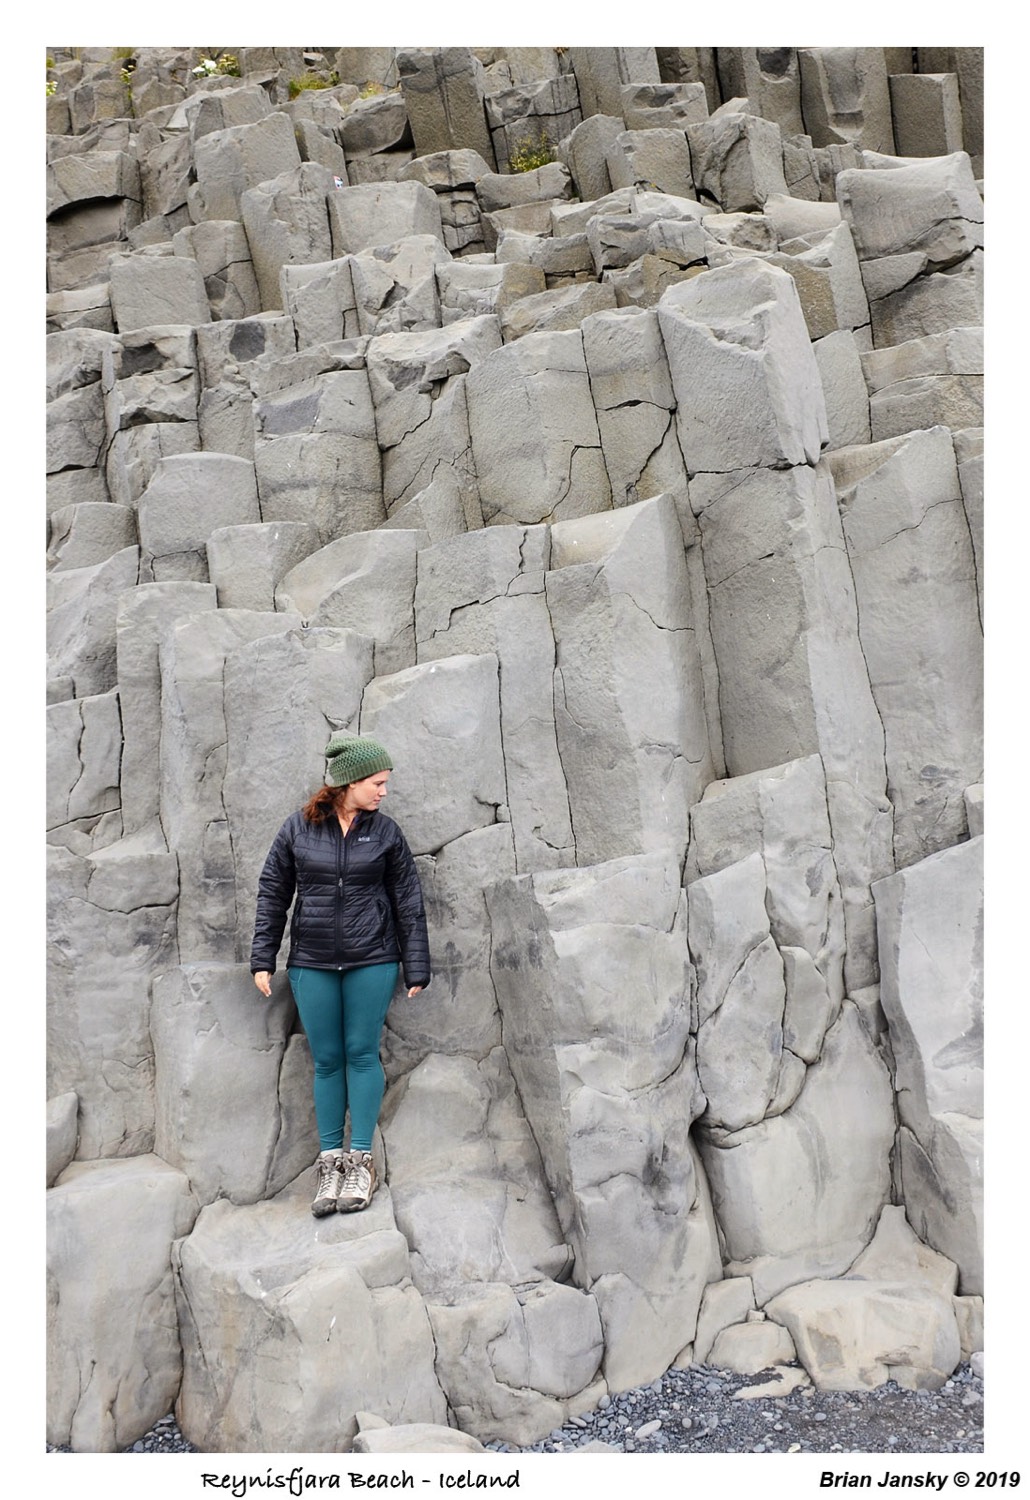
[(342, 1013)]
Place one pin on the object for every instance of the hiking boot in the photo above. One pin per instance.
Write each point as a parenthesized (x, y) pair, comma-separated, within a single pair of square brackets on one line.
[(330, 1180), (359, 1182)]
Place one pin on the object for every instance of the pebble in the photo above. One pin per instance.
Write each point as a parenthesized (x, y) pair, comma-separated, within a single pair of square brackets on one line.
[(887, 1419)]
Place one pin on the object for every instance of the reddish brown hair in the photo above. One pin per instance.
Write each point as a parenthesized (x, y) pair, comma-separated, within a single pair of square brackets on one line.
[(324, 804)]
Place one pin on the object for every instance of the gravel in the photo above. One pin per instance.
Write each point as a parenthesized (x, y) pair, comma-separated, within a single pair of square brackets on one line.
[(694, 1411)]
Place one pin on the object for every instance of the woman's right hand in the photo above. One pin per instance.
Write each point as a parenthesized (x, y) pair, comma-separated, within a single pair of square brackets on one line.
[(263, 980)]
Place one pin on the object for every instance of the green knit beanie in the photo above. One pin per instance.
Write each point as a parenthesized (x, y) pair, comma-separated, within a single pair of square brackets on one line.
[(352, 758)]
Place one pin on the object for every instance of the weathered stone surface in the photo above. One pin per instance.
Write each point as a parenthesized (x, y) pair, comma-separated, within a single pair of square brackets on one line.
[(229, 161), (929, 207), (222, 251), (785, 630), (585, 150), (723, 1304), (496, 1358), (115, 903), (554, 311), (829, 281), (395, 285), (845, 393), (927, 113), (509, 1229), (316, 456), (748, 1348), (767, 1198), (193, 651), (320, 300), (219, 1053), (928, 382), (618, 597), (419, 393), (928, 303), (113, 1352), (82, 605), (441, 721), (363, 582), (378, 123), (855, 1335), (473, 291), (253, 1280), (601, 73), (895, 1254), (141, 613), (246, 562), (714, 327), (969, 455), (633, 397), (544, 184), (62, 1133), (88, 533), (274, 761), (368, 214), (189, 497), (737, 160), (153, 289), (646, 106), (444, 90), (287, 221), (84, 745), (930, 921), (845, 96), (235, 104), (458, 1013), (486, 593), (534, 432), (448, 506), (623, 1177), (532, 117), (76, 429), (912, 561)]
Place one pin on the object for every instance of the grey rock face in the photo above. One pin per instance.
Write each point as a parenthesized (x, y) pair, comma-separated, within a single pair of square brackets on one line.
[(636, 502), (930, 917)]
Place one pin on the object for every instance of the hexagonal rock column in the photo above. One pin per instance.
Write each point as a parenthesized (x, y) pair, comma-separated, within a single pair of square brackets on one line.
[(289, 1331), (114, 1361), (441, 722), (610, 1089), (189, 497), (619, 601), (915, 584), (420, 403), (845, 96), (793, 680), (485, 590), (930, 921), (234, 1111), (779, 1220), (193, 652), (535, 442), (111, 927), (316, 456), (274, 760), (746, 382)]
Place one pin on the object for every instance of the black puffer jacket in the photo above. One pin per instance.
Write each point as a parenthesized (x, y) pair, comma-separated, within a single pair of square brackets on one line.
[(358, 899)]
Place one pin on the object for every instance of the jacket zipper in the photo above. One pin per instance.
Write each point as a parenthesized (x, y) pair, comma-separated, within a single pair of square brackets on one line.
[(341, 865)]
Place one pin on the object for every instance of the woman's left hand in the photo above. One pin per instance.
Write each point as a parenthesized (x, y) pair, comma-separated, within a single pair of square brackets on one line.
[(416, 989)]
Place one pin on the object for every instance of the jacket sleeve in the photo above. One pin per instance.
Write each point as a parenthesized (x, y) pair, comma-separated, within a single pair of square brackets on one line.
[(405, 891), (275, 892)]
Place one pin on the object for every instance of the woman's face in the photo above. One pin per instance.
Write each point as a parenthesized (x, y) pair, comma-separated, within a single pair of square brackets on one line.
[(366, 795)]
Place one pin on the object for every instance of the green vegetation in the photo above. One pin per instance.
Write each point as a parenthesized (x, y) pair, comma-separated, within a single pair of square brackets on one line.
[(312, 81), (531, 154), (226, 66), (368, 90)]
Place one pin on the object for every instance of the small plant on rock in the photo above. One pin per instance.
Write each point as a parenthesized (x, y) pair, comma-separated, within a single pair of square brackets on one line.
[(369, 90), (312, 81), (531, 154), (225, 66), (51, 87)]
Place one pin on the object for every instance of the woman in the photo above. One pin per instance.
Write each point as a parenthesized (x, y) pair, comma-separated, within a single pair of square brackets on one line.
[(358, 916)]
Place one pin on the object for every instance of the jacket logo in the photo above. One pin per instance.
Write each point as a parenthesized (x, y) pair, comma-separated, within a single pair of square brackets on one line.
[(364, 838)]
